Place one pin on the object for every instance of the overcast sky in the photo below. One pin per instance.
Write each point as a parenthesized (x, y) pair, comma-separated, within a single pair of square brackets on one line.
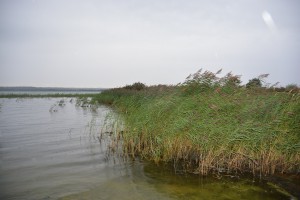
[(94, 43)]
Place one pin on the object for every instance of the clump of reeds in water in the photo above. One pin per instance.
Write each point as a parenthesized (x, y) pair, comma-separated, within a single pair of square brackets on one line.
[(111, 134), (211, 124)]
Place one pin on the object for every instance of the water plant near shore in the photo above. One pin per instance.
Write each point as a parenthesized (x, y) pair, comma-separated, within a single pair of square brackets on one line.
[(211, 124)]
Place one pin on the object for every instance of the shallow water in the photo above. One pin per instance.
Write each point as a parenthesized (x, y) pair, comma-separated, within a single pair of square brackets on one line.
[(49, 151)]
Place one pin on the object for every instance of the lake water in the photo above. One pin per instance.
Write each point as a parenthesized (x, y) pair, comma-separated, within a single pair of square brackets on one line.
[(52, 151)]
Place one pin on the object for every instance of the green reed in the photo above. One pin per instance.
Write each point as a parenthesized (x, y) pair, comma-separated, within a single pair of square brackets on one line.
[(211, 124)]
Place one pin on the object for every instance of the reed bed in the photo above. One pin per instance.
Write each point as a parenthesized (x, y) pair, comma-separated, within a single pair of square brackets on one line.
[(209, 124)]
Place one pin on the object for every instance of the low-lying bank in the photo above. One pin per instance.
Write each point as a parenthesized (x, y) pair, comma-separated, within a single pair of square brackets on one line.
[(211, 125), (55, 95)]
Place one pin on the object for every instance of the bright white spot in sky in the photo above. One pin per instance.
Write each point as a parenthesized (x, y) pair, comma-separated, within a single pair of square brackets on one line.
[(269, 21)]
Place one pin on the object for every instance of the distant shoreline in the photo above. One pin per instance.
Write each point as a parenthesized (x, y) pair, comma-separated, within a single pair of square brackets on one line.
[(51, 89), (42, 92), (48, 95)]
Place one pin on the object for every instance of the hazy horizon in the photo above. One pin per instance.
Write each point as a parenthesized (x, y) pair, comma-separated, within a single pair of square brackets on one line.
[(26, 86), (105, 44)]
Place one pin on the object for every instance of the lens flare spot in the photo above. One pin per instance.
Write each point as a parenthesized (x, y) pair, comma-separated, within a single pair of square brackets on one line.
[(269, 21)]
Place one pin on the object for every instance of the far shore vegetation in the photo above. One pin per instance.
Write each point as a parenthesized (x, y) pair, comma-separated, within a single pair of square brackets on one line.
[(47, 92), (55, 95), (211, 124)]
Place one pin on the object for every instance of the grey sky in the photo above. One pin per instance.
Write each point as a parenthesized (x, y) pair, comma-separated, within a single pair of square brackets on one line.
[(93, 43)]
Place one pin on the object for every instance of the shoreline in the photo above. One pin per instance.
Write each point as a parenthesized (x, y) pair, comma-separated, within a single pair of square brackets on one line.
[(54, 95), (151, 132)]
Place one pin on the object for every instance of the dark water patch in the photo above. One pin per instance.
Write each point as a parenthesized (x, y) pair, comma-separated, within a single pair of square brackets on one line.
[(189, 186), (144, 180)]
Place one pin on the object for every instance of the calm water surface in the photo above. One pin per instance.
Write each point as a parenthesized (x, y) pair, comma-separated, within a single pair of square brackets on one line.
[(49, 151)]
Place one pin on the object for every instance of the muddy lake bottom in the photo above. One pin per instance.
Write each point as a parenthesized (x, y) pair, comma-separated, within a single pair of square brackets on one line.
[(51, 150)]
